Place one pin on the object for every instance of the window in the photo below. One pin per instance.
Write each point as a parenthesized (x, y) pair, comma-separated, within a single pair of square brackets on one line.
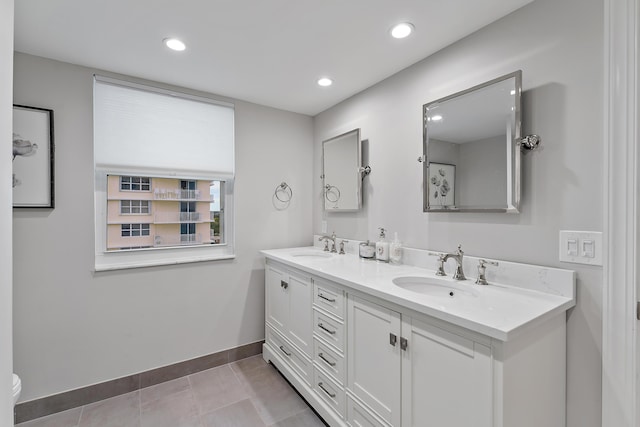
[(135, 183), (135, 230), (140, 207), (167, 155)]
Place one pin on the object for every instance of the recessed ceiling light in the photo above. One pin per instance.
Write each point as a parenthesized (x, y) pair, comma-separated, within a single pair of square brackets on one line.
[(174, 44), (513, 92), (325, 81), (402, 30)]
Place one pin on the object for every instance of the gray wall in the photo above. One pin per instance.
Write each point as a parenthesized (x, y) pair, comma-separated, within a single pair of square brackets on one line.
[(73, 327), (6, 89), (558, 45)]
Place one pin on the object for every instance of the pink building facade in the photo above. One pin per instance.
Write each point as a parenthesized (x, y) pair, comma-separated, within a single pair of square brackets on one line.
[(144, 212)]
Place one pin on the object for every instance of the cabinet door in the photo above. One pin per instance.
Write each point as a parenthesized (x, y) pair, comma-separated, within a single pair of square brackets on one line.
[(446, 379), (277, 309), (299, 329), (373, 356)]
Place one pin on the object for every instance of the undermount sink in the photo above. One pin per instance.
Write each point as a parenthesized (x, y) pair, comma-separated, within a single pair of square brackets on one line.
[(429, 286), (311, 254)]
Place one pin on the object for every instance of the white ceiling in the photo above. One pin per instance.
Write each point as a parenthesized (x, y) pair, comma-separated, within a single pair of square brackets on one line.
[(270, 52)]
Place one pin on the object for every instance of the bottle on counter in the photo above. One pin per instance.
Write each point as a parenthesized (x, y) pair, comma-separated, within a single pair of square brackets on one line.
[(395, 250), (382, 247)]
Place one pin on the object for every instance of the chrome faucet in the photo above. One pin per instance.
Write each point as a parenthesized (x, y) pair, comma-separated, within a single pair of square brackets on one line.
[(326, 239), (458, 255)]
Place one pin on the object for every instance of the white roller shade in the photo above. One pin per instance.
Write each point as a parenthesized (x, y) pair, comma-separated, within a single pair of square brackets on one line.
[(150, 130)]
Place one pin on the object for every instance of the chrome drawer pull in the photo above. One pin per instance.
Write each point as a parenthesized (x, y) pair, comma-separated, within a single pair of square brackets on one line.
[(331, 395), (284, 351), (321, 356), (326, 299), (321, 326)]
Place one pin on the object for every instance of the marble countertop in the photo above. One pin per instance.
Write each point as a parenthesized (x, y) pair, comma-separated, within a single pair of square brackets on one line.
[(500, 310)]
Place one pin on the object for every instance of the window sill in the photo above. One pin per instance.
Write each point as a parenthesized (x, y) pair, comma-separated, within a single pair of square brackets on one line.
[(160, 262)]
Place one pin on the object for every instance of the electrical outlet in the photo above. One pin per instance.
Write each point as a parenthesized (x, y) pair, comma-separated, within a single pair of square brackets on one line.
[(324, 227), (581, 247)]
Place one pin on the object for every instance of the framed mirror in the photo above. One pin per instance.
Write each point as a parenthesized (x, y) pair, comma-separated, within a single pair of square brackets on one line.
[(471, 145), (341, 172)]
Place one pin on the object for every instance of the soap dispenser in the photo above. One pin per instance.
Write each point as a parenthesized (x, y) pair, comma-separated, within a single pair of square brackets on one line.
[(382, 247), (395, 250)]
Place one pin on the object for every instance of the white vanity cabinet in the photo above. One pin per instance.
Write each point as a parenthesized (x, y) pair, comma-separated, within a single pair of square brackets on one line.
[(364, 361), (288, 316), (412, 373)]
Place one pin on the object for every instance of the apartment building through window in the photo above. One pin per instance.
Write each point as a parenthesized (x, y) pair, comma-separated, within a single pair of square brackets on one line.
[(172, 212)]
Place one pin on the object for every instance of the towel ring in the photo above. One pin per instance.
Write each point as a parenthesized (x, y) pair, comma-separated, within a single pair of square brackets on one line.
[(331, 189), (287, 192)]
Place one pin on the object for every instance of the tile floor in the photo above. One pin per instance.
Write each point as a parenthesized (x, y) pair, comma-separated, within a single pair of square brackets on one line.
[(246, 393)]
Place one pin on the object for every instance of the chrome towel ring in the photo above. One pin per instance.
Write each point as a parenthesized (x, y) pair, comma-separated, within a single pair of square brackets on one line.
[(283, 192), (334, 191)]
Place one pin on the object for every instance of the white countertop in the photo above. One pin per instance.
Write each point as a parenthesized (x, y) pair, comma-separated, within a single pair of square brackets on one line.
[(498, 310)]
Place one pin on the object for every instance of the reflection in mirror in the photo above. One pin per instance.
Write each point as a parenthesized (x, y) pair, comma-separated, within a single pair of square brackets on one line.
[(341, 172), (471, 149)]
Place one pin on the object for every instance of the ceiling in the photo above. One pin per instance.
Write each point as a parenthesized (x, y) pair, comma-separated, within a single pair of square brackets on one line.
[(269, 52)]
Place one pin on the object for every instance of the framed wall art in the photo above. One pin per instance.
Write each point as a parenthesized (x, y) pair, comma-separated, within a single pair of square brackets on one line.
[(33, 157), (442, 185)]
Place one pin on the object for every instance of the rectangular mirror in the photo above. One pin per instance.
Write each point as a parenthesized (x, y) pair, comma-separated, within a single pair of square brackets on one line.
[(341, 163), (471, 149)]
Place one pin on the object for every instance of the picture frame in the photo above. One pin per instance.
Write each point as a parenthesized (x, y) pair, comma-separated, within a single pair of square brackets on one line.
[(442, 186), (33, 157)]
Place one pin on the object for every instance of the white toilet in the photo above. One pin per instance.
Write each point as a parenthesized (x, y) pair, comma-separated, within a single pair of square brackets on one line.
[(17, 387)]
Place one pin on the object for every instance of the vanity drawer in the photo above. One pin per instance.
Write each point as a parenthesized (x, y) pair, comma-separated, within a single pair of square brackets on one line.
[(328, 298), (330, 360), (294, 358), (359, 416), (328, 329), (329, 391)]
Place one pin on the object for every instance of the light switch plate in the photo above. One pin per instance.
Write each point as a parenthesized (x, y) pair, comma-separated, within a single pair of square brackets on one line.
[(581, 247)]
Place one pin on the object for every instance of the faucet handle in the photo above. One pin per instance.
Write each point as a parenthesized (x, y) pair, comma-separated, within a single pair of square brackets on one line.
[(482, 280), (342, 242), (440, 271), (460, 251), (484, 262)]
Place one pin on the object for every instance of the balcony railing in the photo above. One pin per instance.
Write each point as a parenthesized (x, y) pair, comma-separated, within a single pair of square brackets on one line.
[(177, 217), (178, 194), (177, 240)]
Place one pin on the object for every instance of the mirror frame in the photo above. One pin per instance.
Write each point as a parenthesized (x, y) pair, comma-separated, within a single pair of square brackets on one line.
[(357, 168), (514, 206)]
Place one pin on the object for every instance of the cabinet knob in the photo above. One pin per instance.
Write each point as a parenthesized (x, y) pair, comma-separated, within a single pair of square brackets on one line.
[(284, 284)]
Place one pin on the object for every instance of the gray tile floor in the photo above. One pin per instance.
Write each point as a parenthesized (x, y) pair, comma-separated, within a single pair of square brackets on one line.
[(245, 393)]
